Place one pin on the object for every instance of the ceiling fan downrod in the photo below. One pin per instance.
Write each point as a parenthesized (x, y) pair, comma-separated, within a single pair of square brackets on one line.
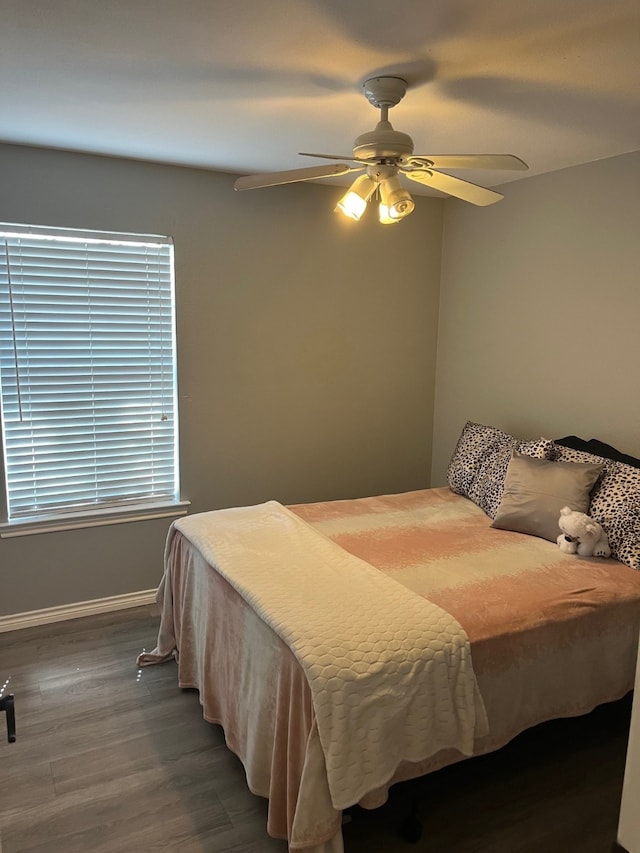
[(383, 142)]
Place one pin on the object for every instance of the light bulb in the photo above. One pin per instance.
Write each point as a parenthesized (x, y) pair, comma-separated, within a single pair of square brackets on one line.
[(352, 205), (383, 215), (354, 202)]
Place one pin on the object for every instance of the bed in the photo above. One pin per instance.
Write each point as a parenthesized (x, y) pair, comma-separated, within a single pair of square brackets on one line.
[(348, 645)]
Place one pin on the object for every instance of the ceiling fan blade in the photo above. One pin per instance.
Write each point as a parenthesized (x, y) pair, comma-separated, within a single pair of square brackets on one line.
[(329, 156), (455, 187), (272, 179), (470, 161)]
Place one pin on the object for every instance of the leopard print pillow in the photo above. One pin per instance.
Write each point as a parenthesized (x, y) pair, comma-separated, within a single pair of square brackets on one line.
[(475, 439), (479, 463), (615, 502), (559, 453)]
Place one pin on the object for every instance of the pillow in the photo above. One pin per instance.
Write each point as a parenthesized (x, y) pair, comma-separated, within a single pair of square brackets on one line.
[(474, 442), (479, 463), (559, 453), (535, 490), (616, 505), (615, 502)]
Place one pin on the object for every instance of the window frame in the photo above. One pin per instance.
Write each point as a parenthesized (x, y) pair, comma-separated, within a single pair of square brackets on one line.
[(120, 510)]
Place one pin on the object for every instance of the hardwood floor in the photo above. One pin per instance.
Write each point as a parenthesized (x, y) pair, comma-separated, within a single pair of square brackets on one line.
[(110, 759)]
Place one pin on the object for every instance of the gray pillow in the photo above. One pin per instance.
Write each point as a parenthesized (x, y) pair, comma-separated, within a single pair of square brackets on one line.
[(535, 490)]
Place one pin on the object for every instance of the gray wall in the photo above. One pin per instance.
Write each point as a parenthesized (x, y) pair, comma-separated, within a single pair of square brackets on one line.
[(539, 329), (306, 350)]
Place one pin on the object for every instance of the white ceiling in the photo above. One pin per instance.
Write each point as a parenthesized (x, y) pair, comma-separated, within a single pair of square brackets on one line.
[(243, 85)]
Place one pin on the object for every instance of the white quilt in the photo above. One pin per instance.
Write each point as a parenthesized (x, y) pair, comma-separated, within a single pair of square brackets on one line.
[(390, 672)]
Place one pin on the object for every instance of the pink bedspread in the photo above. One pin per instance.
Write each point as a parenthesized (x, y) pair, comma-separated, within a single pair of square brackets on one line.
[(551, 635)]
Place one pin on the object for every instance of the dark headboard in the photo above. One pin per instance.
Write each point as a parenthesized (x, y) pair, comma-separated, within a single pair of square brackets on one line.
[(598, 448)]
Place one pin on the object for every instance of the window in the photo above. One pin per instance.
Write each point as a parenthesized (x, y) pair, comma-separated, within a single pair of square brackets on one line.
[(87, 375)]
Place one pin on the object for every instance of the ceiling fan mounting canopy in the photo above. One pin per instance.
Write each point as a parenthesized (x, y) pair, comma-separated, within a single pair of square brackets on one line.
[(384, 91), (385, 154)]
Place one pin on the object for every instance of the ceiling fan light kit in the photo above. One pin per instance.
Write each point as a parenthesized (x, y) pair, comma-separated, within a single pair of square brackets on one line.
[(383, 155)]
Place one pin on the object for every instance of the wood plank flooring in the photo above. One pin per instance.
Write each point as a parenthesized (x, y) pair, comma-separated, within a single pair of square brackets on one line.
[(110, 759)]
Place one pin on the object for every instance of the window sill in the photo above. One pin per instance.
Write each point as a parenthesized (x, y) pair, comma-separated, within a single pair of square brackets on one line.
[(96, 518)]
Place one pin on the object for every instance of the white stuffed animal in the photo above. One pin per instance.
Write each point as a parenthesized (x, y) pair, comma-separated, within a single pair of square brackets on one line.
[(582, 535)]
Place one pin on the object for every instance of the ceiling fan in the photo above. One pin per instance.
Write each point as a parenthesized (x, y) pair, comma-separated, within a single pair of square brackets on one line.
[(382, 155)]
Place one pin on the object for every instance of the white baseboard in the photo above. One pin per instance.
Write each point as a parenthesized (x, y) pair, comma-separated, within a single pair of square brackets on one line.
[(16, 621)]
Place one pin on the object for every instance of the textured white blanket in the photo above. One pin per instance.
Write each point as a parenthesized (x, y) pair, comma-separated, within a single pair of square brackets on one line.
[(390, 673)]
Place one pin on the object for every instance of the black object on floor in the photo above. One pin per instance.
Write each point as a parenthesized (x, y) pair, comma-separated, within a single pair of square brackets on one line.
[(7, 703)]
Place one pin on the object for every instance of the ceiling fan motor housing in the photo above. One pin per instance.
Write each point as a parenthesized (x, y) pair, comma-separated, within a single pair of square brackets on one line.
[(382, 143)]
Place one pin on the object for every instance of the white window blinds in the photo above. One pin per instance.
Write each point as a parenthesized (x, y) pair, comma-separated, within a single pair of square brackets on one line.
[(87, 370)]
